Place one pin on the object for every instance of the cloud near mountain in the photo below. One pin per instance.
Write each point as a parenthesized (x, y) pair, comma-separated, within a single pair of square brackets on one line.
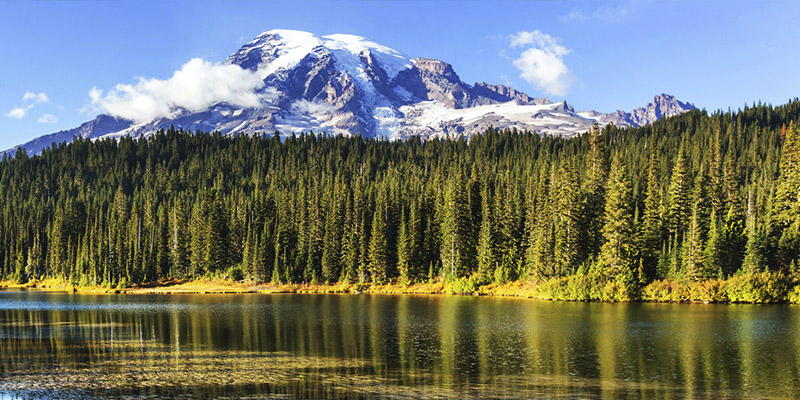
[(542, 62), (199, 84)]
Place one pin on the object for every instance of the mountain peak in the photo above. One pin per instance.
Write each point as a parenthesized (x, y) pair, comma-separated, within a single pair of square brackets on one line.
[(347, 84), (281, 49), (663, 105)]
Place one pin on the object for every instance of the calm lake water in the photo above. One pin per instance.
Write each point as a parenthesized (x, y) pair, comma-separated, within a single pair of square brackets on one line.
[(361, 346)]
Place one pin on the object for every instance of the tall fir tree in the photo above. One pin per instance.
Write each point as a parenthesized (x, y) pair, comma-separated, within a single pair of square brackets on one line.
[(651, 227), (679, 196), (618, 235), (457, 252), (593, 204)]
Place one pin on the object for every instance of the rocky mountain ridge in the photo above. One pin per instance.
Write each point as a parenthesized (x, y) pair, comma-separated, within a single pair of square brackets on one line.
[(345, 84)]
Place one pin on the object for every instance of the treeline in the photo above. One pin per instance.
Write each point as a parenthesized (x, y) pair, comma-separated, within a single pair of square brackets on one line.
[(687, 199)]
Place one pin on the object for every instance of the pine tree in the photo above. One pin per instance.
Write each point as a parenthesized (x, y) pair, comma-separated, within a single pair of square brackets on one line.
[(332, 242), (714, 250), (487, 258), (539, 257), (199, 240), (378, 258), (734, 239), (457, 248), (414, 244), (785, 210), (651, 227), (404, 252), (678, 196), (716, 181), (615, 254), (510, 222), (594, 194), (179, 241), (692, 262), (701, 202), (755, 258), (217, 252), (566, 211)]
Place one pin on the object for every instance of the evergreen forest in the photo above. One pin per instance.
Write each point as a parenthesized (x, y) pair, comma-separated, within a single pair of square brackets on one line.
[(698, 206)]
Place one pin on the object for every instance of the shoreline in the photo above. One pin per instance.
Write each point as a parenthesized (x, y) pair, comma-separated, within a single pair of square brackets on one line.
[(518, 289)]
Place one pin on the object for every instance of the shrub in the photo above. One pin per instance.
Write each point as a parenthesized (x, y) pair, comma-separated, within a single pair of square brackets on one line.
[(711, 291), (579, 287), (123, 283), (665, 291), (794, 294), (235, 273), (359, 287), (463, 285), (760, 287)]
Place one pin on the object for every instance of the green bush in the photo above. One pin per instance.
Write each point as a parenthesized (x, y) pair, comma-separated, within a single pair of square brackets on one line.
[(761, 287), (123, 283), (618, 290), (585, 287), (235, 273), (665, 291), (711, 291), (359, 287), (463, 285), (793, 295)]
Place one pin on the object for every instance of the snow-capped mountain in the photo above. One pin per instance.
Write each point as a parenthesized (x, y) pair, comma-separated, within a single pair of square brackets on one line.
[(347, 84)]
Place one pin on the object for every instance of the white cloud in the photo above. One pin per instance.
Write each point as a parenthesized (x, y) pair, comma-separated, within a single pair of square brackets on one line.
[(29, 99), (541, 63), (35, 97), (607, 13), (18, 112), (199, 84), (47, 119)]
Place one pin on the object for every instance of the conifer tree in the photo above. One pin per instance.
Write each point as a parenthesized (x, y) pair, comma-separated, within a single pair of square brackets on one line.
[(615, 254), (457, 247), (539, 258), (679, 196), (594, 194), (414, 244), (785, 212), (651, 227), (404, 252), (378, 243), (566, 211), (332, 241), (714, 250), (755, 259), (179, 240), (692, 262), (487, 258), (217, 251)]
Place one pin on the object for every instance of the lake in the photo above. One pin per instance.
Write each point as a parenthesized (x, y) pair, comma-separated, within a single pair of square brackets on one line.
[(58, 345)]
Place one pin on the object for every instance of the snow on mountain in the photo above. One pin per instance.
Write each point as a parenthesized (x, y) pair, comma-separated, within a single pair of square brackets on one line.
[(346, 84)]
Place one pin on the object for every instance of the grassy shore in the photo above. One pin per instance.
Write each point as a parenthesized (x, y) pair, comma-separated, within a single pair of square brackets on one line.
[(223, 286), (764, 287)]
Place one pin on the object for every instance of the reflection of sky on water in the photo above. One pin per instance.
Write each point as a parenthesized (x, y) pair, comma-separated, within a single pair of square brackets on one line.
[(460, 346)]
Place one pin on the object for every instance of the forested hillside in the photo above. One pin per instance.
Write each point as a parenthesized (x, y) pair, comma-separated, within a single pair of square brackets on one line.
[(686, 199)]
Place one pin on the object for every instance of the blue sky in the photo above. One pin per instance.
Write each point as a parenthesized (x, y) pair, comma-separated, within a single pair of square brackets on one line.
[(604, 56)]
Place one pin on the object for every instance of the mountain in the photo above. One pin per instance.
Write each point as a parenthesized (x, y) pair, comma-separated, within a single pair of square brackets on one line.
[(347, 84), (663, 106)]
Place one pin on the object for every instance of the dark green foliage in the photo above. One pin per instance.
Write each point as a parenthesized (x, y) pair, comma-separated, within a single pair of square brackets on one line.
[(616, 253), (696, 196)]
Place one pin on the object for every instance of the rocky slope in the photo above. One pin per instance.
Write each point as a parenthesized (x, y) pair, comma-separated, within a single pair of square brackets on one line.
[(347, 84)]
